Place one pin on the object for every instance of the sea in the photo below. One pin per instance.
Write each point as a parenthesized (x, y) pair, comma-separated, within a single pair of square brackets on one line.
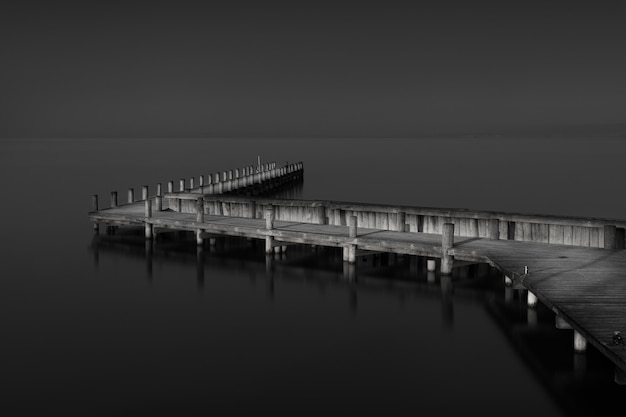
[(112, 325)]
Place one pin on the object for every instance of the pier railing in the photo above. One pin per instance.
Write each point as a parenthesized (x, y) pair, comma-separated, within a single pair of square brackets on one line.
[(577, 231)]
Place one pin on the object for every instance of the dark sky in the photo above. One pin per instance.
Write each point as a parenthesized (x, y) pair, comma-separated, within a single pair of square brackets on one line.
[(170, 69)]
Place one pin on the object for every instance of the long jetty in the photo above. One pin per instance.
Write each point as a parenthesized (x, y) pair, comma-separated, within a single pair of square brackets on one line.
[(574, 266)]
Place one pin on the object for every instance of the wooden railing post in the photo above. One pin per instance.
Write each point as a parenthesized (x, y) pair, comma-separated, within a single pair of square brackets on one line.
[(131, 195), (148, 212), (144, 192), (269, 225)]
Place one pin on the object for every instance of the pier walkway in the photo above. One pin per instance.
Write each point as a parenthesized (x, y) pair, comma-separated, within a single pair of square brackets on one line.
[(584, 286)]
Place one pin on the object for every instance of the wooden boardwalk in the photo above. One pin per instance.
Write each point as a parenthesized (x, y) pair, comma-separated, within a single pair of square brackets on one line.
[(584, 286)]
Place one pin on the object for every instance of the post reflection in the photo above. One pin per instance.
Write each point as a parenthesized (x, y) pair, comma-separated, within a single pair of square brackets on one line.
[(200, 268), (447, 303)]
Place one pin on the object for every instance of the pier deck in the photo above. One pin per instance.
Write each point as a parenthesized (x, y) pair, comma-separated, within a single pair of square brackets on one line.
[(584, 286)]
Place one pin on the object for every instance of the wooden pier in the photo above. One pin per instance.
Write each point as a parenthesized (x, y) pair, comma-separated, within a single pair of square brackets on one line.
[(576, 267)]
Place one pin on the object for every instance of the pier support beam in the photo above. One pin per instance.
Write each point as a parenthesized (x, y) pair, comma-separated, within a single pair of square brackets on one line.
[(148, 209), (199, 219), (94, 207), (431, 265), (531, 299), (560, 323), (580, 343), (447, 242), (269, 225)]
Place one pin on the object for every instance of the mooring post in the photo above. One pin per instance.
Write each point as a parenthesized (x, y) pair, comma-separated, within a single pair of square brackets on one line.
[(531, 299), (610, 236), (191, 183), (144, 192), (447, 242), (148, 210), (580, 343), (200, 210), (199, 219), (94, 207), (113, 198), (269, 225), (349, 251), (170, 186), (431, 265), (159, 198), (182, 184), (131, 195), (494, 229)]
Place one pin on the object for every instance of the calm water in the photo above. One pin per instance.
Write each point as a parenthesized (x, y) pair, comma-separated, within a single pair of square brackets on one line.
[(108, 325)]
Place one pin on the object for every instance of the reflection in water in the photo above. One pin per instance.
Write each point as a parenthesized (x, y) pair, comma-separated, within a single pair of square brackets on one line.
[(532, 331)]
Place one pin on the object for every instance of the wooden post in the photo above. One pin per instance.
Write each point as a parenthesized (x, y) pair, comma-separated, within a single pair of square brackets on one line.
[(252, 209), (144, 192), (352, 226), (148, 207), (447, 242), (431, 265), (170, 186), (580, 343), (201, 181), (159, 203), (159, 192), (113, 198), (94, 207), (494, 229), (269, 225), (191, 183), (200, 209), (531, 299), (131, 195), (182, 184), (610, 237), (269, 217)]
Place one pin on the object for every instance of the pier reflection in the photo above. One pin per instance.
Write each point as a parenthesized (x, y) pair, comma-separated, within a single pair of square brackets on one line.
[(532, 333)]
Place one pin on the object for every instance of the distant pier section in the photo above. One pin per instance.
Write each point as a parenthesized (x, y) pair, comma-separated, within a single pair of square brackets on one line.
[(575, 266)]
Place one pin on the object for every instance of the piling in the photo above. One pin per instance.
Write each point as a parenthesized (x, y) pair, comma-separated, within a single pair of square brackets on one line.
[(170, 186), (580, 343), (113, 198), (144, 192), (182, 185), (431, 265), (531, 299), (131, 195), (148, 212), (447, 242), (352, 226), (269, 225), (94, 207)]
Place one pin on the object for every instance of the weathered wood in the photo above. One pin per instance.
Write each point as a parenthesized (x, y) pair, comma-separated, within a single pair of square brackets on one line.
[(113, 198), (447, 242), (610, 236), (131, 195), (352, 227)]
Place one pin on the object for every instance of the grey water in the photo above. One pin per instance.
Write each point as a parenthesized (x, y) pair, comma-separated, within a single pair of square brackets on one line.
[(112, 325)]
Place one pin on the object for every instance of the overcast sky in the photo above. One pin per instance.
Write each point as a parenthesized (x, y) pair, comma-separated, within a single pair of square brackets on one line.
[(257, 68)]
